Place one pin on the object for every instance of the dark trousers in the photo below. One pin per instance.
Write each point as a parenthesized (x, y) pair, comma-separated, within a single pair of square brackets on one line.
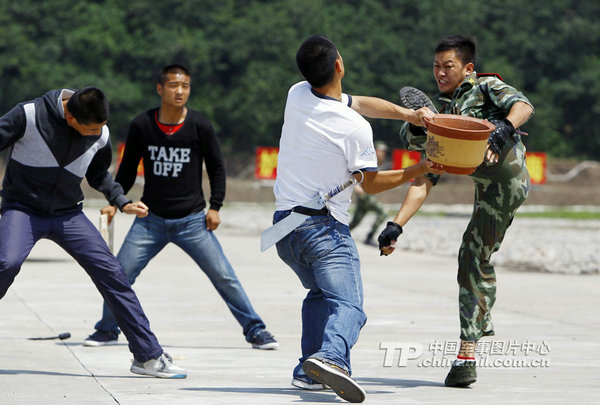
[(19, 232)]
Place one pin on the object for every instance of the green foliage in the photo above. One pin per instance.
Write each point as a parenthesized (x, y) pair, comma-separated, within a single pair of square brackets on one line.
[(242, 56)]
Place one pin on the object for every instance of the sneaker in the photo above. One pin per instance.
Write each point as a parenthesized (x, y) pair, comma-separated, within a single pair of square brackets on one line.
[(462, 374), (335, 377), (101, 338), (305, 385), (414, 99), (263, 340), (161, 367)]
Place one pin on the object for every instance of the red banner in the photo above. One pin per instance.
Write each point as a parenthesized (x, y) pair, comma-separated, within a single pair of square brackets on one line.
[(536, 165), (266, 162), (404, 158), (120, 150)]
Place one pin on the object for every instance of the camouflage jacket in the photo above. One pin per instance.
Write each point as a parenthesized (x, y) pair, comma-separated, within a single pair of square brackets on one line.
[(484, 97)]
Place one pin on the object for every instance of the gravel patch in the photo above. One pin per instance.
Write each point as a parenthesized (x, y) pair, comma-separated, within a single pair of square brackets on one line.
[(544, 245), (531, 244)]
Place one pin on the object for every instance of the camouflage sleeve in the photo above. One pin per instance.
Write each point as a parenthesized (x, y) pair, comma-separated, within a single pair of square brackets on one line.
[(503, 95), (413, 137)]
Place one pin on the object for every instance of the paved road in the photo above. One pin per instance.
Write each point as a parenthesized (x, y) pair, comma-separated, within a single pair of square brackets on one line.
[(548, 322)]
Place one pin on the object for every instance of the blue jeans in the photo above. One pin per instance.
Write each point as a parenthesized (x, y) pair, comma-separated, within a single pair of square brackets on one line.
[(147, 236), (19, 232), (324, 257)]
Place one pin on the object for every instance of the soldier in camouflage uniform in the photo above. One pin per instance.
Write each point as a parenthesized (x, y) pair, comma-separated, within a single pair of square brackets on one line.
[(501, 186), (369, 202)]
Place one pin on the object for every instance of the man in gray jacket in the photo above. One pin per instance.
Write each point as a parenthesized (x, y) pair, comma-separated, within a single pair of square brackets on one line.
[(56, 140)]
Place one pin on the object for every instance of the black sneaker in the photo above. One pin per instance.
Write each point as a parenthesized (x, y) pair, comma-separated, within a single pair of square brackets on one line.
[(414, 99), (101, 338), (263, 340), (334, 377), (462, 374)]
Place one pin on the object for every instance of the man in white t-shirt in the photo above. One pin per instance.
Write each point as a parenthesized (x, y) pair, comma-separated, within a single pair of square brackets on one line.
[(324, 141)]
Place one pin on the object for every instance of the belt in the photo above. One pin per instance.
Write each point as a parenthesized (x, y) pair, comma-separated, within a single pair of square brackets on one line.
[(310, 211)]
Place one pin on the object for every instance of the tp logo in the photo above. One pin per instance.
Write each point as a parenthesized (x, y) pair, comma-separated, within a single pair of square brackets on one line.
[(407, 351)]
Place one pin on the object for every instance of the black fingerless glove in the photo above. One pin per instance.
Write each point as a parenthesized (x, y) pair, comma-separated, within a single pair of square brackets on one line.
[(389, 234), (500, 135)]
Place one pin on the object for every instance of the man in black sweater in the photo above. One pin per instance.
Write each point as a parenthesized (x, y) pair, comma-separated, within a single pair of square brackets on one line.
[(56, 140), (173, 142)]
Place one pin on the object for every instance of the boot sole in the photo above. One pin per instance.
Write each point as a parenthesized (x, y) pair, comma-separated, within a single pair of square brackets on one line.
[(413, 98), (462, 384)]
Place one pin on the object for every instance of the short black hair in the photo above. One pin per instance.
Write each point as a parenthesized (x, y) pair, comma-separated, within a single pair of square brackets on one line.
[(162, 76), (89, 106), (316, 60), (464, 47)]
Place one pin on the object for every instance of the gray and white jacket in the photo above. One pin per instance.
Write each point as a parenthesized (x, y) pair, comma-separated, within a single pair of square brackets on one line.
[(49, 159)]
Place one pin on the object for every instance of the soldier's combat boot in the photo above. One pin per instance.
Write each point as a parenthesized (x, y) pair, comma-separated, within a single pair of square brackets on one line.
[(462, 374), (414, 99)]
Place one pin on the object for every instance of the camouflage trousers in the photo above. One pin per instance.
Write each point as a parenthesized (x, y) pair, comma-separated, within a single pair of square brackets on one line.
[(494, 209), (364, 204)]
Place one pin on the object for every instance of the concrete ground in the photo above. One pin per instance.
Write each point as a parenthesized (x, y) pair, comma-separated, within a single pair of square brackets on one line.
[(545, 351)]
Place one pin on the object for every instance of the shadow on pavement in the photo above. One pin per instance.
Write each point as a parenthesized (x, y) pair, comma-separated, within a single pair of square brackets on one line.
[(307, 396), (304, 395), (38, 372), (49, 260), (400, 383), (54, 373)]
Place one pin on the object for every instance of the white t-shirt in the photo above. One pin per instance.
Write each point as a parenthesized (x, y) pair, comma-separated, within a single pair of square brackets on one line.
[(323, 141)]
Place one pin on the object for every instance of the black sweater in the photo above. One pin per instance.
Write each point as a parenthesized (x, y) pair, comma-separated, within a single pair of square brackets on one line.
[(49, 159), (173, 165)]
